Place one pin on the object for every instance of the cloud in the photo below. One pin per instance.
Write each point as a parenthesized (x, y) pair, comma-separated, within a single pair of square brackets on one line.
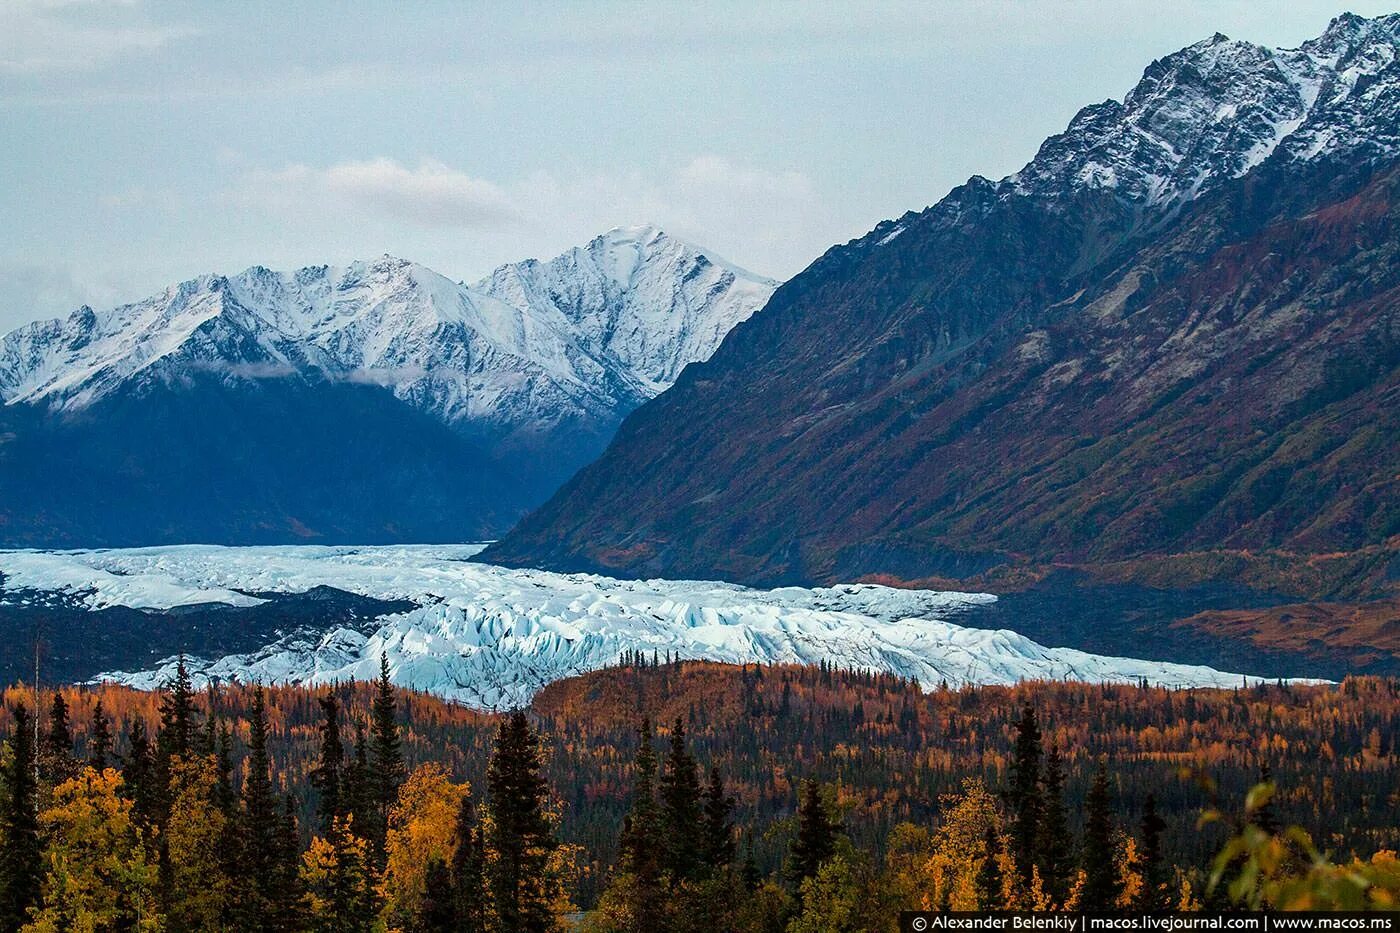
[(385, 376), (431, 195), (261, 370), (39, 36), (34, 291)]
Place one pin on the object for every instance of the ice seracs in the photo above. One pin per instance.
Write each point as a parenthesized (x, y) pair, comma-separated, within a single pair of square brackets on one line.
[(490, 636)]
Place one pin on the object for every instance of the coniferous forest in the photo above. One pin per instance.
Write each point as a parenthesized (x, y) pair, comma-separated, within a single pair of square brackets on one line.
[(669, 795)]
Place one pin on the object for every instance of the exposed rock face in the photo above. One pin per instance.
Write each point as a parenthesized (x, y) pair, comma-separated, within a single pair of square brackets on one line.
[(1174, 331)]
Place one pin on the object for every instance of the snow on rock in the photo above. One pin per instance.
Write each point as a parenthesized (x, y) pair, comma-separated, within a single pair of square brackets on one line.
[(1214, 110), (490, 637), (587, 336)]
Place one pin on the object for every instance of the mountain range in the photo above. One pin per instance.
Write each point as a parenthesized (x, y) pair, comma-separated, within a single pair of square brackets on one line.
[(1165, 353), (376, 402)]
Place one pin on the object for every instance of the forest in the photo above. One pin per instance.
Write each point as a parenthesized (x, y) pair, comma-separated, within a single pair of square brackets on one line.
[(675, 795)]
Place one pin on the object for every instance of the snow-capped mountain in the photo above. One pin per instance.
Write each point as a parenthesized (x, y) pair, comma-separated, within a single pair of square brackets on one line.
[(589, 334), (639, 296), (1126, 351), (532, 369), (491, 637), (1216, 109)]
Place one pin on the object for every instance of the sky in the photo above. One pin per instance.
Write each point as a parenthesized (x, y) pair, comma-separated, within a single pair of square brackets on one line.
[(146, 142)]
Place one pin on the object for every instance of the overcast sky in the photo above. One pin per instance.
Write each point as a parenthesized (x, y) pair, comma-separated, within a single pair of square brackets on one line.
[(142, 143)]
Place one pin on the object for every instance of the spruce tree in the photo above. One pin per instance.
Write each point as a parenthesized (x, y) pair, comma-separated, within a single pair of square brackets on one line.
[(468, 869), (326, 777), (1154, 894), (521, 838), (989, 881), (749, 874), (641, 847), (56, 760), (437, 912), (177, 716), (718, 827), (680, 809), (139, 775), (286, 893), (355, 786), (99, 739), (816, 835), (1055, 844), (261, 824), (1101, 882), (1024, 793), (386, 770), (21, 856)]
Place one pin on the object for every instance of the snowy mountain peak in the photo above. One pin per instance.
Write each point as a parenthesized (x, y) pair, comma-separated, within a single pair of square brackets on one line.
[(587, 336), (638, 295), (1214, 110)]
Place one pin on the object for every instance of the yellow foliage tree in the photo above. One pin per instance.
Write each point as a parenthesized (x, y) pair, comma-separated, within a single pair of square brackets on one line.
[(959, 849), (335, 873), (98, 877), (1130, 880), (201, 891), (421, 828)]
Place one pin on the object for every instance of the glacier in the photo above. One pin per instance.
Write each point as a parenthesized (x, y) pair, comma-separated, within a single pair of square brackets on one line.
[(490, 637)]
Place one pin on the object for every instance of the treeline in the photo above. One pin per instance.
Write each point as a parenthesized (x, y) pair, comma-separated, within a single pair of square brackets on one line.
[(773, 798)]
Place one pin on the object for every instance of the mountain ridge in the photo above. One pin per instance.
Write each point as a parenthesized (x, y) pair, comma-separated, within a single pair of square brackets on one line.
[(513, 389), (1011, 359)]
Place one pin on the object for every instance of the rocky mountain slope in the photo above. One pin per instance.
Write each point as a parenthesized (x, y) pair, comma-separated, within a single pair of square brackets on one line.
[(1168, 349), (380, 401)]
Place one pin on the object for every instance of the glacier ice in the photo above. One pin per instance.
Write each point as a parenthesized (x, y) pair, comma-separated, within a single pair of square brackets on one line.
[(490, 637)]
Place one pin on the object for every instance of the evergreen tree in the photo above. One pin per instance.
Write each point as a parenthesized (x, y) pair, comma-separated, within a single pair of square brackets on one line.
[(139, 775), (680, 809), (99, 739), (641, 847), (718, 828), (437, 912), (816, 835), (989, 882), (386, 771), (177, 716), (1024, 793), (749, 874), (56, 760), (21, 855), (261, 826), (286, 892), (1101, 882), (1154, 894), (355, 783), (326, 777), (468, 869), (521, 840), (1055, 844), (335, 873), (224, 797)]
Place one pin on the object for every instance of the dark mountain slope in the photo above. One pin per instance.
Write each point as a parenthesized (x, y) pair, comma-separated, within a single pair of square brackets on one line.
[(290, 460), (1031, 374)]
